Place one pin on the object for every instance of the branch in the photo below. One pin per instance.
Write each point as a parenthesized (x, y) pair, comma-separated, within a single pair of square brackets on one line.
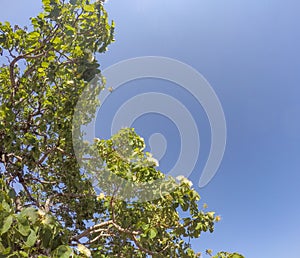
[(13, 80), (124, 230), (22, 182), (135, 240), (99, 236), (91, 230), (49, 151)]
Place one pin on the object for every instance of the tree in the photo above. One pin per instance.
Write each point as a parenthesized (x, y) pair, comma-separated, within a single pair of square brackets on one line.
[(48, 206)]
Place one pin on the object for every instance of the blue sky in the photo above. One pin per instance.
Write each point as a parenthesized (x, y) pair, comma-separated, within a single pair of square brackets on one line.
[(249, 52)]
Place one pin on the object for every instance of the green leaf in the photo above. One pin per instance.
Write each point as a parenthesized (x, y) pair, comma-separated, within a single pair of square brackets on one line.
[(2, 38), (63, 251), (23, 229), (41, 70), (7, 224), (199, 226), (30, 138), (5, 252), (31, 213), (24, 254), (236, 256), (5, 206), (145, 226), (12, 193), (54, 13), (211, 214), (45, 64), (73, 2), (46, 2), (33, 35), (46, 236), (56, 40), (31, 239), (89, 8), (152, 233), (2, 248)]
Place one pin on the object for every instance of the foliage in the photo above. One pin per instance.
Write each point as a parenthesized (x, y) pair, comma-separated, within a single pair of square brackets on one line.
[(228, 255), (48, 206)]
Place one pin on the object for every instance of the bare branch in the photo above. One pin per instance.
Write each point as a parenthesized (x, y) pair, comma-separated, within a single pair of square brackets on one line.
[(91, 230)]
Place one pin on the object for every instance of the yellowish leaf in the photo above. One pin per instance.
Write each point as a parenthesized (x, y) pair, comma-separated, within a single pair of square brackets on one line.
[(84, 250)]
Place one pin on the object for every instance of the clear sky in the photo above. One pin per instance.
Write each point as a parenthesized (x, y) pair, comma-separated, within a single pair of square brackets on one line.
[(249, 51)]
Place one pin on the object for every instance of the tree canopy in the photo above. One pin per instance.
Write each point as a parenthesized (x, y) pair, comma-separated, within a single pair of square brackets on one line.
[(49, 206)]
